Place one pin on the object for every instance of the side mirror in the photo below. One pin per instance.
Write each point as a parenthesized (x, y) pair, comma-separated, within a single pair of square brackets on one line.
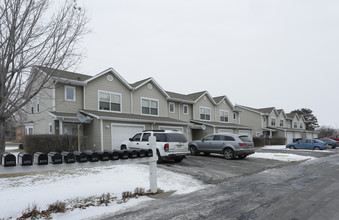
[(130, 139), (202, 139)]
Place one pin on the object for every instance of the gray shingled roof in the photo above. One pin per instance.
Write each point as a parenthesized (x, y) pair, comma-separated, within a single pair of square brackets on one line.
[(129, 117), (195, 96), (179, 96), (64, 74), (266, 110), (221, 124), (136, 84), (218, 99)]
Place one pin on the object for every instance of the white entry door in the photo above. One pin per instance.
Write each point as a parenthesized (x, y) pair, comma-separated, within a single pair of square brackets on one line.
[(122, 132)]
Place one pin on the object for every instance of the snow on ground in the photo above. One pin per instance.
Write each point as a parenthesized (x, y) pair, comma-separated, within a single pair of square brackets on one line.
[(43, 189), (281, 157)]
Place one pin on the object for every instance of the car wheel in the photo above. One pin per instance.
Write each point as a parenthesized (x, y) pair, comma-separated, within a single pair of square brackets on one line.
[(123, 147), (316, 148), (242, 156), (160, 160), (178, 159), (206, 153), (193, 150), (228, 154), (332, 146), (292, 147)]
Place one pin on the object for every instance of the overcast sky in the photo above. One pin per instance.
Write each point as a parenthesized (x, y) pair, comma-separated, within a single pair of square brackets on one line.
[(262, 53)]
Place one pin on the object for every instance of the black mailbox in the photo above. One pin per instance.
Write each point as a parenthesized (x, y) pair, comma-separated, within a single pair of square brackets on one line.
[(141, 152), (91, 156), (8, 160), (149, 153), (25, 159), (54, 158), (40, 158), (123, 154), (67, 157), (102, 155), (132, 154), (80, 157), (113, 155)]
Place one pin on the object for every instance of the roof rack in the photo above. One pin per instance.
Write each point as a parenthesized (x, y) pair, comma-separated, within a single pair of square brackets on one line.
[(154, 130)]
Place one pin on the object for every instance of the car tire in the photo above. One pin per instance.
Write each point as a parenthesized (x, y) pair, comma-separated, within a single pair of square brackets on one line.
[(228, 154), (242, 156), (160, 160), (178, 159), (292, 147), (316, 148), (332, 146), (193, 150)]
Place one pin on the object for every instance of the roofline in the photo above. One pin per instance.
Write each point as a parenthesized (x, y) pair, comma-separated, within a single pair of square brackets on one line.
[(116, 75), (209, 96), (252, 110), (227, 100), (229, 126), (181, 100), (155, 82)]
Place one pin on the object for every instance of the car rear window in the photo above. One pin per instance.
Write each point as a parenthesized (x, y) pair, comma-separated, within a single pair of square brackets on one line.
[(245, 139), (172, 137)]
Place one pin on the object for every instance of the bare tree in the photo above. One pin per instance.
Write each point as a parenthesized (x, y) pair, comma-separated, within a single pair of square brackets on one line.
[(326, 131), (32, 34)]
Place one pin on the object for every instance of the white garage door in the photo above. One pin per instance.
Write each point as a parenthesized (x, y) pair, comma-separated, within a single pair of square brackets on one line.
[(226, 131), (244, 132), (289, 138), (309, 135), (180, 129), (122, 132), (297, 135)]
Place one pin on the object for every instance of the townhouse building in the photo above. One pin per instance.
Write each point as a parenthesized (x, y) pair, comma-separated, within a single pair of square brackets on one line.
[(108, 110), (272, 122)]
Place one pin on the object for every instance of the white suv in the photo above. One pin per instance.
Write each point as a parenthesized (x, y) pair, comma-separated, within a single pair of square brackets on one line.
[(170, 144)]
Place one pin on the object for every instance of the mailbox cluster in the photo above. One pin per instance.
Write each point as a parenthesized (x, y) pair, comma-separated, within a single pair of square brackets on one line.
[(39, 158)]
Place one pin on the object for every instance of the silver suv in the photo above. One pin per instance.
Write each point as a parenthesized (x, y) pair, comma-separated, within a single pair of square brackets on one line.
[(229, 145), (170, 144)]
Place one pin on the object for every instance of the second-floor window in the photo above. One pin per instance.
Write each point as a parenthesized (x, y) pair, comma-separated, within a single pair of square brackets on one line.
[(272, 121), (205, 113), (295, 125), (185, 109), (234, 116), (109, 101), (171, 107), (69, 93), (301, 125), (149, 106), (223, 116), (281, 123)]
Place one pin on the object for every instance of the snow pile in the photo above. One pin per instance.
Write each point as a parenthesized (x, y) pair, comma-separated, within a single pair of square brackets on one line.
[(281, 157), (17, 193)]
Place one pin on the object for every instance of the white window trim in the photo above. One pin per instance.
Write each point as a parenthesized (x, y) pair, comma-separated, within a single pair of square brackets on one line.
[(275, 122), (114, 93), (206, 108), (183, 109), (141, 98), (226, 114), (234, 116), (72, 87), (169, 105), (283, 122), (295, 123), (301, 125)]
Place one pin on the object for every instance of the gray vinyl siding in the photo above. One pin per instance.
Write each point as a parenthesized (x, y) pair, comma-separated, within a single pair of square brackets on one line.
[(179, 112), (273, 115), (154, 93), (224, 106), (281, 117), (62, 105), (206, 103), (251, 119), (42, 118), (102, 84), (92, 134)]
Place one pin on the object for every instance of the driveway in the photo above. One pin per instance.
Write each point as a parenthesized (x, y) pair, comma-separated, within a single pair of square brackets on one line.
[(253, 188)]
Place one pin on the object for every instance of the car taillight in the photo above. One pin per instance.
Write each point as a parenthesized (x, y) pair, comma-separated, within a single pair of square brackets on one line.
[(166, 147), (242, 144)]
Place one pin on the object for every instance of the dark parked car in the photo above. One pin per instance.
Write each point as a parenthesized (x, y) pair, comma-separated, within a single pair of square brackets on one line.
[(312, 144), (229, 145), (331, 143)]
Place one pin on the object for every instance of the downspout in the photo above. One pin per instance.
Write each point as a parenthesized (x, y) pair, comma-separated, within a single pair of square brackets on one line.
[(101, 135)]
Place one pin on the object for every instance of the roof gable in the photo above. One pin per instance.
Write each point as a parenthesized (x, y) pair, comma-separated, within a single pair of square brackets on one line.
[(218, 100), (114, 73), (197, 96), (143, 82)]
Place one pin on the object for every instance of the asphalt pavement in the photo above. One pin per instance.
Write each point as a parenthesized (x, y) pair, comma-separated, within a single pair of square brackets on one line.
[(250, 189)]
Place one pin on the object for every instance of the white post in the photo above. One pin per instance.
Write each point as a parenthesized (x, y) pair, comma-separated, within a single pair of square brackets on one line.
[(153, 165)]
